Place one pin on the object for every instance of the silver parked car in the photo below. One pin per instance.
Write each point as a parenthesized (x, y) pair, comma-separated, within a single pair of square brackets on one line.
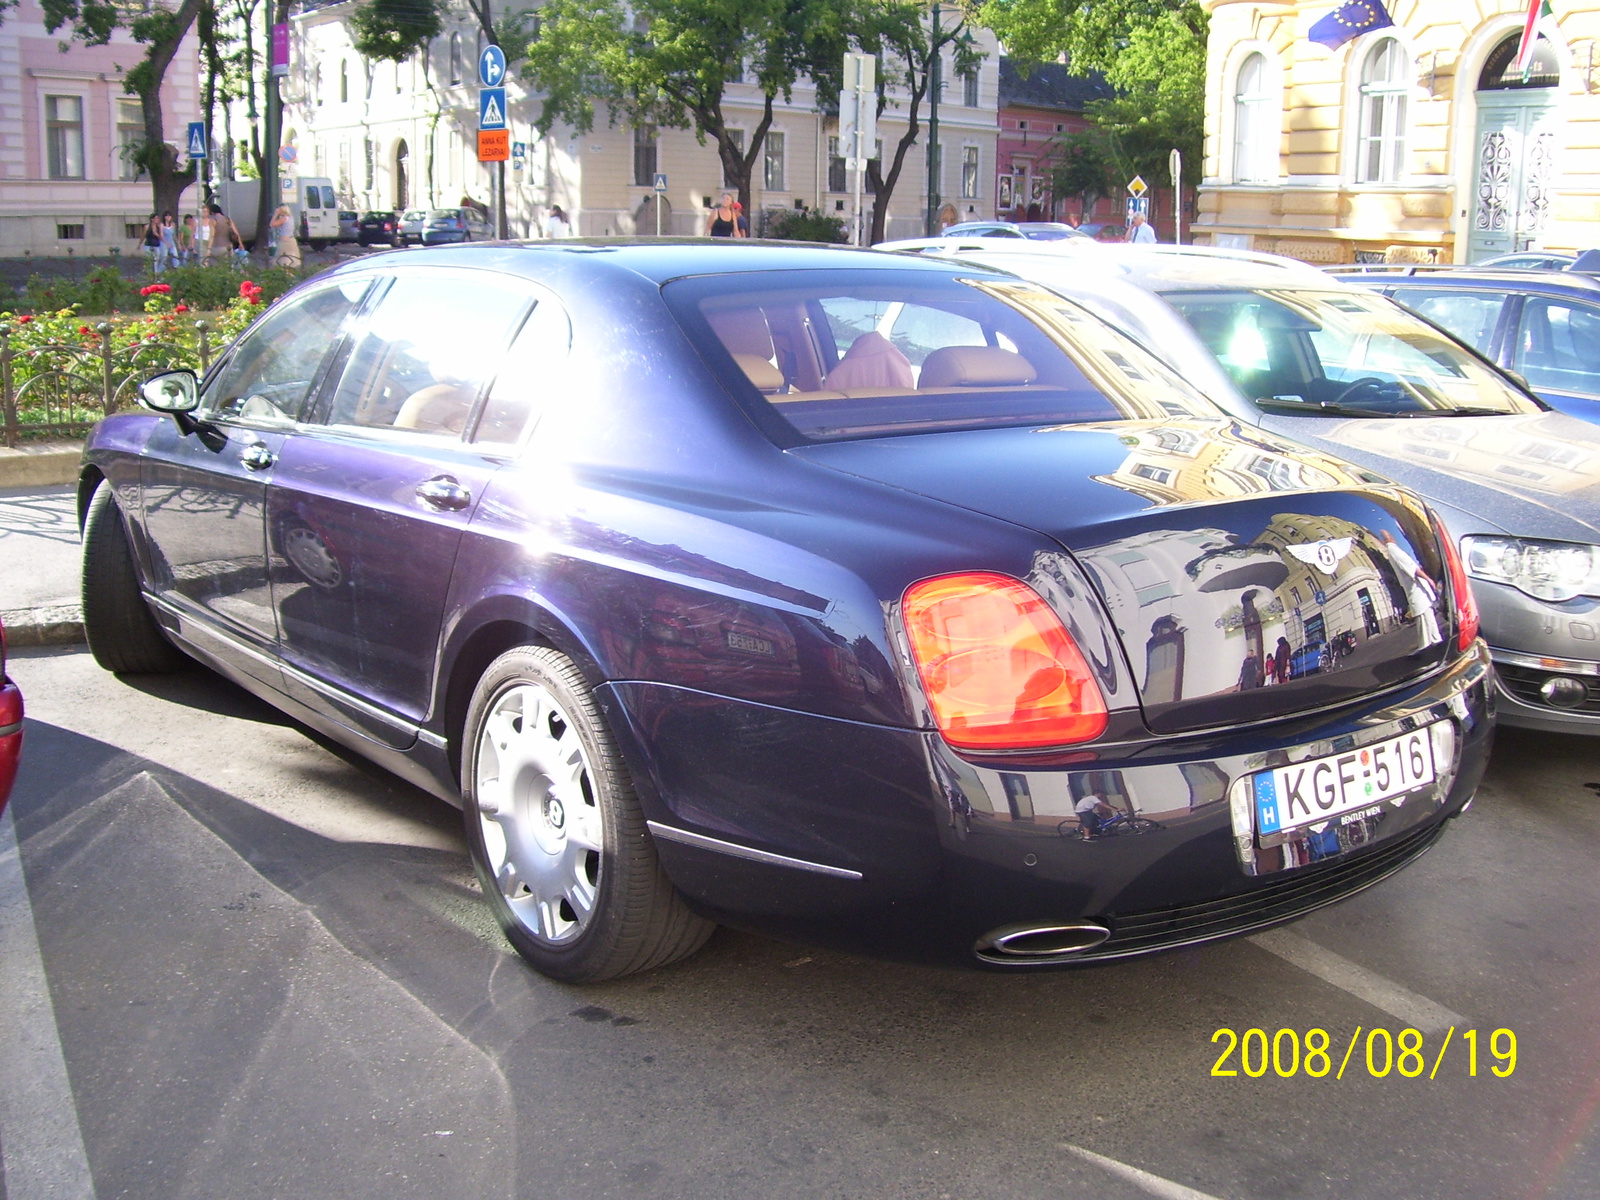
[(1341, 369)]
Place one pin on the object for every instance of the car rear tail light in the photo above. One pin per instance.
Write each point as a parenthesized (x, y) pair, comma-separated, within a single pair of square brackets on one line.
[(1460, 588), (1000, 670)]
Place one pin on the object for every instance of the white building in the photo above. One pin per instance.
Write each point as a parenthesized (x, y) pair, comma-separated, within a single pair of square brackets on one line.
[(404, 136)]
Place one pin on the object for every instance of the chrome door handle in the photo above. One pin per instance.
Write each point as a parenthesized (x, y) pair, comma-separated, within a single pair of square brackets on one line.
[(256, 457), (443, 492)]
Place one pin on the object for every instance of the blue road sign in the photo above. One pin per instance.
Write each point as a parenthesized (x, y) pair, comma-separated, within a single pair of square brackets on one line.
[(519, 149), (492, 108), (661, 181), (197, 139), (491, 66)]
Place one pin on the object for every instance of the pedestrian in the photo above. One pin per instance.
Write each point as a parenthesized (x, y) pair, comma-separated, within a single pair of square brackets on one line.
[(186, 233), (219, 224), (283, 248), (169, 241), (725, 221), (152, 243), (1140, 231), (556, 225), (202, 239)]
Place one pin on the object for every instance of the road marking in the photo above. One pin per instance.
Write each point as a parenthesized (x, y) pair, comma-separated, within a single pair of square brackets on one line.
[(1416, 1011), (1154, 1184), (41, 1145)]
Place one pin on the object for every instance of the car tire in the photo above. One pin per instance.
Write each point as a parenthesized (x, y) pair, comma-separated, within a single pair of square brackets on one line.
[(123, 636), (556, 831)]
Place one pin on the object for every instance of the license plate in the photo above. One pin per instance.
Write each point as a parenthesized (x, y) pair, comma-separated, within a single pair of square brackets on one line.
[(1322, 789)]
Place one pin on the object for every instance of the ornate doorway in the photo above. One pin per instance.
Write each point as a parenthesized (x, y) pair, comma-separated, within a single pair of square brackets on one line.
[(1515, 147)]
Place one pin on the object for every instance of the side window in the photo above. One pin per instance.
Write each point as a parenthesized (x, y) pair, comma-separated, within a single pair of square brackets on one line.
[(432, 343), (268, 374), (527, 375), (1558, 346), (1471, 316)]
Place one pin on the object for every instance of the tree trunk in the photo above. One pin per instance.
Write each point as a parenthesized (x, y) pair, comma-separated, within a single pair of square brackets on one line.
[(167, 179), (884, 188)]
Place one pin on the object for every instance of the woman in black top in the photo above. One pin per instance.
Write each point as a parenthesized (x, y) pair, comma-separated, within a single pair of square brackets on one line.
[(725, 219)]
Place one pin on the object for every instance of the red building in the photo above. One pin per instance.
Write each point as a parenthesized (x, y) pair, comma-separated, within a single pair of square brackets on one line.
[(1037, 114)]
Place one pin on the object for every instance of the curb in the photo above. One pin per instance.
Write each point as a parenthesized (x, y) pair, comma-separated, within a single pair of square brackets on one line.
[(58, 625), (42, 464)]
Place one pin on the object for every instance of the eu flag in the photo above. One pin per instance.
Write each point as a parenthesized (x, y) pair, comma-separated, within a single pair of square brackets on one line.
[(1352, 20)]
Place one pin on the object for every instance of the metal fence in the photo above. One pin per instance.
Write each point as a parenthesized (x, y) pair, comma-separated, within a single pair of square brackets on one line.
[(62, 389)]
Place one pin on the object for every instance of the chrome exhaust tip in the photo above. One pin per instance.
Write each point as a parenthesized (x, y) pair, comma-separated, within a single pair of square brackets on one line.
[(1015, 945)]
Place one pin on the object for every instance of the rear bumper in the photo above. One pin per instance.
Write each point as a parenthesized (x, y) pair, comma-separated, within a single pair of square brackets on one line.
[(884, 840)]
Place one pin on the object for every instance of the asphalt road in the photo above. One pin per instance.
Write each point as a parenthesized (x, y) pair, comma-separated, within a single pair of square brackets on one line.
[(261, 970)]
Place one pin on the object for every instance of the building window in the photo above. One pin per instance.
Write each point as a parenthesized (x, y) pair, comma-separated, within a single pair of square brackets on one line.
[(644, 155), (772, 165), (371, 173), (70, 233), (1385, 77), (1255, 117), (130, 138), (344, 81), (838, 178), (63, 124), (969, 88), (455, 58), (736, 136), (969, 172)]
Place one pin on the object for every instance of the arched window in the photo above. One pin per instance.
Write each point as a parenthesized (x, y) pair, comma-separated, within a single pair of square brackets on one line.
[(1385, 79), (455, 58), (344, 82), (1255, 124)]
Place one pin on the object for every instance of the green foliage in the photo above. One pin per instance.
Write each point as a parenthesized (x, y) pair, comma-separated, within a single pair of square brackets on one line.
[(1085, 168), (92, 21), (200, 288), (393, 29), (1153, 52), (797, 225)]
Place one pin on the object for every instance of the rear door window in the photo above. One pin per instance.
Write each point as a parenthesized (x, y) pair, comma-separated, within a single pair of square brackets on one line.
[(425, 354), (1558, 345), (1471, 316), (531, 373)]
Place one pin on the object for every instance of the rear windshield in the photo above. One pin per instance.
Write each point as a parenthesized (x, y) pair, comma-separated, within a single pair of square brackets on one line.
[(1342, 354), (849, 354), (444, 214)]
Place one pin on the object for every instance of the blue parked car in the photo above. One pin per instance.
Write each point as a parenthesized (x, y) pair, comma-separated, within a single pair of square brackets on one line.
[(1542, 324), (797, 589)]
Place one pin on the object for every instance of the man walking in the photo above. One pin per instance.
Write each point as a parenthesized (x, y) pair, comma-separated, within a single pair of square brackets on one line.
[(1139, 231)]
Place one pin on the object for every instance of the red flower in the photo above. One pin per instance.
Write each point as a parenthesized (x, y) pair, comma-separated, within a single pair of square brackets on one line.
[(83, 329), (181, 308), (23, 320), (156, 289)]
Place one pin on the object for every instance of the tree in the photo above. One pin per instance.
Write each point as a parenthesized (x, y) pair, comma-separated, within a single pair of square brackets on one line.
[(1085, 169), (899, 33), (161, 30), (668, 63), (1153, 52)]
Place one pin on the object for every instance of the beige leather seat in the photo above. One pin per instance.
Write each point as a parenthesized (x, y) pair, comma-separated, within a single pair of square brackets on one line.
[(744, 333), (872, 361), (437, 408)]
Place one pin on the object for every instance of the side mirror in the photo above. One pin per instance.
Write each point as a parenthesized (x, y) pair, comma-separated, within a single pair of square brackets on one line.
[(171, 392), (1521, 380)]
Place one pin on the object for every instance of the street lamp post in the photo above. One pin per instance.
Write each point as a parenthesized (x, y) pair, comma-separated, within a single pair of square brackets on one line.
[(935, 82)]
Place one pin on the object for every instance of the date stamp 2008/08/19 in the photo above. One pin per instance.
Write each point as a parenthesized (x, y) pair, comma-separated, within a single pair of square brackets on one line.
[(1287, 1054)]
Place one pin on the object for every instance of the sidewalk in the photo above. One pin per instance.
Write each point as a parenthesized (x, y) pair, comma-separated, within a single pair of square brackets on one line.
[(39, 570)]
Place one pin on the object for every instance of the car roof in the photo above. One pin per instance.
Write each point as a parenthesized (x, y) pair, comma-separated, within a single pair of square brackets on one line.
[(656, 259), (1507, 279), (1159, 267)]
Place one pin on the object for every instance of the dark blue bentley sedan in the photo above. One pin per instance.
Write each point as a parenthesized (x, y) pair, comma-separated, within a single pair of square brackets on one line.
[(898, 605)]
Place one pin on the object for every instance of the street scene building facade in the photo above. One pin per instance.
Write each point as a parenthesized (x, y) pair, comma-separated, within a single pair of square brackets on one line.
[(1418, 142), (397, 136), (67, 127)]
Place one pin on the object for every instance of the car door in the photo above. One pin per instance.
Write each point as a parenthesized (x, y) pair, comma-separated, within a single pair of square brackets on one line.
[(370, 497), (1556, 348), (204, 492)]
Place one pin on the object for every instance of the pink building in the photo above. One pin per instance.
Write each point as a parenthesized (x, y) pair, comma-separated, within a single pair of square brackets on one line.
[(1037, 112), (65, 183)]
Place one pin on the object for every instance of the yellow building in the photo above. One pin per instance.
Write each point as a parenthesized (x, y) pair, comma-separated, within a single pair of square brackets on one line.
[(1414, 143)]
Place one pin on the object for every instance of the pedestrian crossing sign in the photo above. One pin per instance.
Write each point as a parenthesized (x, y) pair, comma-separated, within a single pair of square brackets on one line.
[(491, 108), (197, 140)]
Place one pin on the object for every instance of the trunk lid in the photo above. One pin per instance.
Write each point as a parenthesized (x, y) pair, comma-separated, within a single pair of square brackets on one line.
[(1246, 577)]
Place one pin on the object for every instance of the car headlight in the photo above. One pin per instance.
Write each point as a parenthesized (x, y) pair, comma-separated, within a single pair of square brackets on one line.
[(1546, 570)]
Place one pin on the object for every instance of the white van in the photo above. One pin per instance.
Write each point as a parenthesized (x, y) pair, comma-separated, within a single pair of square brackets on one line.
[(311, 203), (318, 218)]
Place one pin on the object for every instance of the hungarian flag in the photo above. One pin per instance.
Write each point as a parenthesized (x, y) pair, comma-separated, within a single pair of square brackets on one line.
[(1541, 22)]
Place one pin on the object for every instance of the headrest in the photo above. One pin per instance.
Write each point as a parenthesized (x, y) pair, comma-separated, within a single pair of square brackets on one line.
[(975, 366), (763, 374), (742, 331)]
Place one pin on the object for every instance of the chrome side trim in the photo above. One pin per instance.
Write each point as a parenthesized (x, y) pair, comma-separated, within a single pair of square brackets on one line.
[(337, 695), (1565, 666), (429, 738), (8, 730), (702, 842)]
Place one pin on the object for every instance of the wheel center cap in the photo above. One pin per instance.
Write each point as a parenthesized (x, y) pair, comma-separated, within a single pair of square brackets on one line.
[(554, 814)]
